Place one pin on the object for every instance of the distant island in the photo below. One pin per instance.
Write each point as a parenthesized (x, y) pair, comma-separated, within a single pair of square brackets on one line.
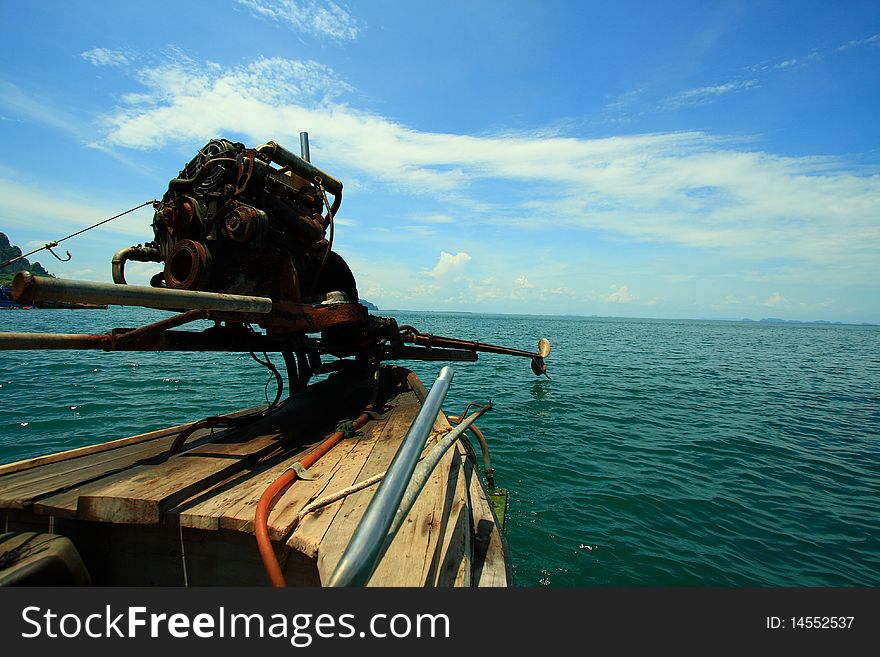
[(777, 320), (9, 251), (370, 306)]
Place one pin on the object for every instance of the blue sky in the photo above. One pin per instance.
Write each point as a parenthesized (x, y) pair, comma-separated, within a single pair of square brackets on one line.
[(712, 159)]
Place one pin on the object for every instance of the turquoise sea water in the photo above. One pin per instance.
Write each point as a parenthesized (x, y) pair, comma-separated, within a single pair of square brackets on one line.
[(661, 453)]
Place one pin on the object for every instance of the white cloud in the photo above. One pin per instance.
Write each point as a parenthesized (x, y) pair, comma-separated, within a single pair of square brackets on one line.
[(873, 40), (448, 263), (39, 108), (34, 205), (187, 102), (523, 282), (106, 57), (684, 188), (434, 218), (140, 273), (31, 108), (324, 19), (702, 95), (775, 300), (619, 294), (726, 302)]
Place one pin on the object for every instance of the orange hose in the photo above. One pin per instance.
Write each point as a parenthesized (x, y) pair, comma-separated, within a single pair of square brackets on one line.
[(277, 488)]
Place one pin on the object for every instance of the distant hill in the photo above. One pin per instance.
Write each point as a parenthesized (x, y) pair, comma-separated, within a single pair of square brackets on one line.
[(8, 251), (370, 306)]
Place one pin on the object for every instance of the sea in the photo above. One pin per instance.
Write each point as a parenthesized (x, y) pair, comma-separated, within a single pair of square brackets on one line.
[(658, 453)]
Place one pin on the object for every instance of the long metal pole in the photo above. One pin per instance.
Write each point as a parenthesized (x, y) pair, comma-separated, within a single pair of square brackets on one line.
[(429, 340), (164, 341), (304, 146), (52, 341), (362, 553), (27, 288), (280, 155)]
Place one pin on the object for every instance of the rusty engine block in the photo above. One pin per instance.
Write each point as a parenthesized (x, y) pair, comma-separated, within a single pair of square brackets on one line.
[(233, 223)]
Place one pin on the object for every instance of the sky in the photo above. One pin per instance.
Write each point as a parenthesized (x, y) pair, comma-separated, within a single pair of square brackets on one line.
[(637, 159)]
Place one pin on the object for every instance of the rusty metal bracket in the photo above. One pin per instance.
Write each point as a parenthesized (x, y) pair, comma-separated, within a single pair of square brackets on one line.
[(154, 331), (302, 473)]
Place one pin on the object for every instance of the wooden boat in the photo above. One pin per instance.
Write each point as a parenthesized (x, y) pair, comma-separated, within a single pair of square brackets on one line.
[(138, 515), (243, 244), (6, 300), (49, 305)]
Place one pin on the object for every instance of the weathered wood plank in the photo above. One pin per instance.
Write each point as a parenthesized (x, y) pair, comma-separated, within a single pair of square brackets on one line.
[(215, 486), (64, 504), (21, 489), (79, 452), (489, 550), (307, 536), (149, 490), (206, 509), (347, 457), (450, 560), (232, 504), (346, 519), (405, 563)]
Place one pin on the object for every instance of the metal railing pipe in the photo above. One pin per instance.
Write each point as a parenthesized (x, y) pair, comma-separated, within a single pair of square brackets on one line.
[(27, 288), (360, 557)]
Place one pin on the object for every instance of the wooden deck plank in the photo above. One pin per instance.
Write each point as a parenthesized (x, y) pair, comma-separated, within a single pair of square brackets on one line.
[(149, 490), (69, 455), (208, 508), (232, 503), (64, 504), (449, 562), (406, 562), (216, 485), (21, 489), (347, 457), (48, 459), (349, 513), (307, 536), (490, 552)]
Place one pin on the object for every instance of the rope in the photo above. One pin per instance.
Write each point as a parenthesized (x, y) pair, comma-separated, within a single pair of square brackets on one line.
[(51, 245), (335, 497), (346, 428), (354, 488)]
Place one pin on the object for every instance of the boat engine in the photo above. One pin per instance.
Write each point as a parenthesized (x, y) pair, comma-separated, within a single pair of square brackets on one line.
[(231, 222), (250, 230)]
